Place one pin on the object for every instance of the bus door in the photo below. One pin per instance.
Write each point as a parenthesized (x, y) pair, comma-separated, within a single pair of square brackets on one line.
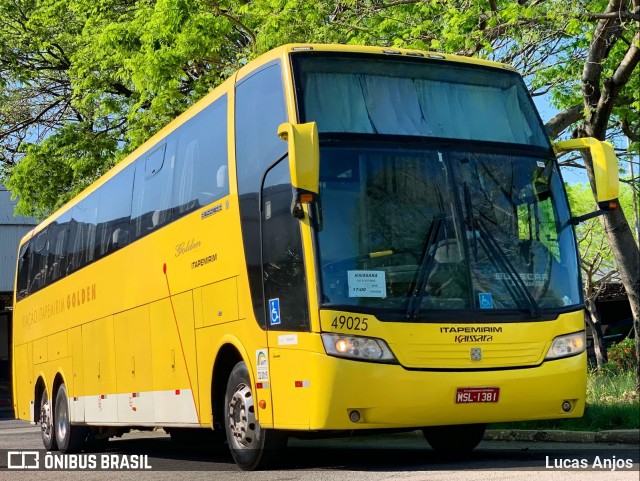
[(271, 236), (286, 300)]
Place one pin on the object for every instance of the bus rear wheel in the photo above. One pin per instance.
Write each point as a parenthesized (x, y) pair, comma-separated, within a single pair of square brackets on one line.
[(456, 439), (252, 446), (46, 422), (70, 438)]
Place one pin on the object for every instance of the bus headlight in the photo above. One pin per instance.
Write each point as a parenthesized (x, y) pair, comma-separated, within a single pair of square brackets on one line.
[(357, 347), (567, 345)]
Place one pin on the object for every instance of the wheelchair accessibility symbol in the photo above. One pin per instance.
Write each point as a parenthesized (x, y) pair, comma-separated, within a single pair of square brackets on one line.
[(486, 300), (274, 311)]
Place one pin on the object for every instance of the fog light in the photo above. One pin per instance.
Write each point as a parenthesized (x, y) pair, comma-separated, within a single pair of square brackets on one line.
[(354, 416), (566, 406)]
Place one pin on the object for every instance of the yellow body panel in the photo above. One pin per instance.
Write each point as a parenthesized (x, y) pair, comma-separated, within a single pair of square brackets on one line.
[(220, 302), (174, 361), (57, 346), (76, 382), (40, 350), (23, 389), (393, 396), (390, 396), (99, 357), (434, 345), (132, 340)]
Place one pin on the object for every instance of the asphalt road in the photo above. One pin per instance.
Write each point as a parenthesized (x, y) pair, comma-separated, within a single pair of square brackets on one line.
[(391, 457)]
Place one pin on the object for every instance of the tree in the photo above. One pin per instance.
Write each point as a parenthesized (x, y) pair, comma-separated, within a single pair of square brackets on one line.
[(84, 83)]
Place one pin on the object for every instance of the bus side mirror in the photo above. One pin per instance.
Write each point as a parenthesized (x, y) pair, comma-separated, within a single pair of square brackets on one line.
[(605, 168), (304, 163)]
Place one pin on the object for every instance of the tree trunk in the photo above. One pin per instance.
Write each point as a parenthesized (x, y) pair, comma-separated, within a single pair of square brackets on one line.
[(600, 94), (624, 250), (594, 322)]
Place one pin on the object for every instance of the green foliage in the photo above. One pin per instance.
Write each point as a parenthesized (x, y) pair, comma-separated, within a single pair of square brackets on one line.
[(69, 160), (622, 357)]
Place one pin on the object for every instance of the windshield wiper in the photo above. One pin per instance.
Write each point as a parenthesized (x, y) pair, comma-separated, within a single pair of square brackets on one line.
[(426, 261), (491, 246)]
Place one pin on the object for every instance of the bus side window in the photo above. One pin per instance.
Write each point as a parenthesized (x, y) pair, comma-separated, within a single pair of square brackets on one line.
[(200, 160), (38, 261), (151, 206), (82, 241), (22, 281), (114, 213), (260, 108), (58, 240)]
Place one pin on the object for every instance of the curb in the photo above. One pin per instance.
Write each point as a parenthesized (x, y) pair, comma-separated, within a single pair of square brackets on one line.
[(616, 436)]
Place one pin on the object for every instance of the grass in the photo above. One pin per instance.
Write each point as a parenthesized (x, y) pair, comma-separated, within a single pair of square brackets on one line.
[(611, 404)]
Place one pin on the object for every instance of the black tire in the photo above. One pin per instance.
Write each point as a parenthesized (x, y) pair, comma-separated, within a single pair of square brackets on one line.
[(70, 438), (252, 447), (47, 426), (456, 439)]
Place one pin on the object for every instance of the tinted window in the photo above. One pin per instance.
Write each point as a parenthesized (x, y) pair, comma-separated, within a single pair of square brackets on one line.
[(283, 265), (59, 233), (201, 173), (22, 282), (151, 208), (82, 241), (260, 109), (114, 212), (395, 96), (38, 261)]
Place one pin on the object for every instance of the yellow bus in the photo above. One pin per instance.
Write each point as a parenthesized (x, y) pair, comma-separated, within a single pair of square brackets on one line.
[(336, 238)]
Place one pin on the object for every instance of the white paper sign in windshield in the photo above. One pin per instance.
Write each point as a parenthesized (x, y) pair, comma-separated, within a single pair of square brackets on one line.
[(366, 284)]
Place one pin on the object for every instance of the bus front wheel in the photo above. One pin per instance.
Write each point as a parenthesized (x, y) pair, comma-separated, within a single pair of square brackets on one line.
[(456, 439), (252, 446), (70, 439)]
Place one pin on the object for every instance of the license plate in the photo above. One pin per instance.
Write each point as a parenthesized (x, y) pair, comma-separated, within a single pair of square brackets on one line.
[(477, 395)]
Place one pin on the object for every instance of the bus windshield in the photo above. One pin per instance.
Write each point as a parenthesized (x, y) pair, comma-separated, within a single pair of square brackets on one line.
[(410, 229), (439, 190), (398, 96)]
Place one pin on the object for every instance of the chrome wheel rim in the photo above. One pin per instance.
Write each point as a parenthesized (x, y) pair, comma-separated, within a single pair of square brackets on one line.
[(242, 419), (46, 424)]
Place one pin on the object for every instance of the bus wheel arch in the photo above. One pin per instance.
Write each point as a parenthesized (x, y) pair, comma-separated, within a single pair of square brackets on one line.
[(226, 359), (40, 386)]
